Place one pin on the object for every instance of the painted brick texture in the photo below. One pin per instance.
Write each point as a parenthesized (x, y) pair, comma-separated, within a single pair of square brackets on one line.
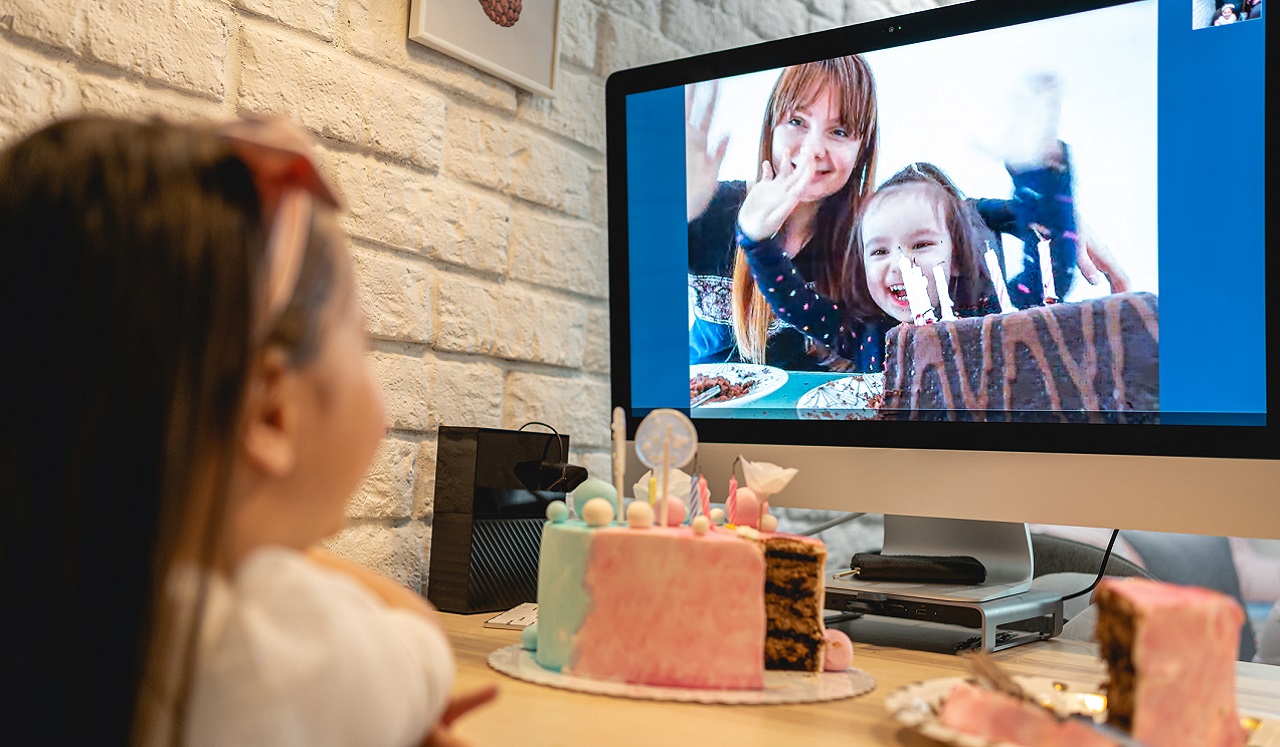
[(476, 211)]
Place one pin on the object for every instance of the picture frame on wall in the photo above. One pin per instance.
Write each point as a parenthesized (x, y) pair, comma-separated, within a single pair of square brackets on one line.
[(515, 40)]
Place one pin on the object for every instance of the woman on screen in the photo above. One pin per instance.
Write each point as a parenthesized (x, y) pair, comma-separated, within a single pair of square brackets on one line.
[(818, 152)]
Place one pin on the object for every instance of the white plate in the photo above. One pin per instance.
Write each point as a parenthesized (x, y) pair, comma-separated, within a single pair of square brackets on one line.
[(768, 379), (852, 397), (919, 704), (779, 687)]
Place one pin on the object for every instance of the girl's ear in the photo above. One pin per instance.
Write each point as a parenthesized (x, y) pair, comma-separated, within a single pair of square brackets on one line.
[(271, 417)]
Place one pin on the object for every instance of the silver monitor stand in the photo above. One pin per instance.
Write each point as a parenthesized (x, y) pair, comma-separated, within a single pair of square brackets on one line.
[(1004, 548)]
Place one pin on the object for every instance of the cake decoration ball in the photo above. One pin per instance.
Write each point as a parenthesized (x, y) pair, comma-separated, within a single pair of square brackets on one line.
[(768, 523), (557, 511), (597, 512), (529, 637), (701, 525), (717, 516), (675, 512), (747, 512), (593, 487), (639, 515), (839, 653)]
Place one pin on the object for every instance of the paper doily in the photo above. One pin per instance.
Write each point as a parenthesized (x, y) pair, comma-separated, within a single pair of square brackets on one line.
[(779, 687)]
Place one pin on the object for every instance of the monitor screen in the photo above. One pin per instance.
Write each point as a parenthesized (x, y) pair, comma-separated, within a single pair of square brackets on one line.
[(999, 225), (1038, 229)]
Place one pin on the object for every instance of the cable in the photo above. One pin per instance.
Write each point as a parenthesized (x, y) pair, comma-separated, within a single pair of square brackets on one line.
[(1101, 571), (824, 526)]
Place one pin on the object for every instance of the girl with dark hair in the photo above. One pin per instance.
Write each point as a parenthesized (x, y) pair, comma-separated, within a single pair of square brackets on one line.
[(918, 214), (186, 411)]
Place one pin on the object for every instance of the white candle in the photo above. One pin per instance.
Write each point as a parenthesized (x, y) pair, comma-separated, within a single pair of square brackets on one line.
[(619, 453), (910, 281), (666, 474), (926, 315), (1046, 271), (944, 295), (997, 279)]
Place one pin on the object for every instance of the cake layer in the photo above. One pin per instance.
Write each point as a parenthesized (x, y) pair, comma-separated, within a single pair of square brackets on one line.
[(1171, 654), (794, 600), (1092, 361)]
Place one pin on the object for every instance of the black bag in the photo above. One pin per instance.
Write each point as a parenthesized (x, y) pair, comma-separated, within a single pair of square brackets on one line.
[(925, 569), (492, 491)]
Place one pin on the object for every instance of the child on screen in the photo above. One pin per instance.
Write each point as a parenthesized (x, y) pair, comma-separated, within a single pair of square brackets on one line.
[(920, 215), (187, 408)]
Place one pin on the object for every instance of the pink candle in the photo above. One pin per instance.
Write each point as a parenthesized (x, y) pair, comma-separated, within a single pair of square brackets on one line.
[(704, 496), (731, 503)]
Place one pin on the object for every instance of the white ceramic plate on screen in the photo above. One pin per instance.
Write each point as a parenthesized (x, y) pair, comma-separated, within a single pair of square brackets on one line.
[(764, 380), (852, 397)]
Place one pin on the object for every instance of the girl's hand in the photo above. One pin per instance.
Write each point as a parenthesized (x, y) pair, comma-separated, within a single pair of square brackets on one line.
[(1096, 262), (442, 735), (772, 199), (701, 162)]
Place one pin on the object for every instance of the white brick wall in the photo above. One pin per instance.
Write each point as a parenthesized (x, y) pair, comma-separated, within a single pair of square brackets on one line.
[(477, 212)]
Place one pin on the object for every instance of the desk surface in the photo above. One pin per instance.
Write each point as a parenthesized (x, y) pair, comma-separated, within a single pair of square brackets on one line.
[(530, 715)]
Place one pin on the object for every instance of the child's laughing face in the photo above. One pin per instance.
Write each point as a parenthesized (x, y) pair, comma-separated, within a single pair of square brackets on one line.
[(906, 222)]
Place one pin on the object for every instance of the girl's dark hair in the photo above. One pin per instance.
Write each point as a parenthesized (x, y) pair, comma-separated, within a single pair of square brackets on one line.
[(132, 255), (970, 286)]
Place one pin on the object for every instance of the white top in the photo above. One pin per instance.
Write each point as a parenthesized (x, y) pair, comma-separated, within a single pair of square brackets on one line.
[(295, 654)]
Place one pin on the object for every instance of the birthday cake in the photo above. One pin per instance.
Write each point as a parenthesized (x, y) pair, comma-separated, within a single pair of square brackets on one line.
[(1092, 361), (1171, 655), (669, 606)]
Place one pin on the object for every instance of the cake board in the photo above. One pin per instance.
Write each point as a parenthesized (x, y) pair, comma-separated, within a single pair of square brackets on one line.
[(779, 687)]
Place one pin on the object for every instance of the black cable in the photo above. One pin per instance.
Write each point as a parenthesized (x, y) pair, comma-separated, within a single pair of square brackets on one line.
[(1101, 571)]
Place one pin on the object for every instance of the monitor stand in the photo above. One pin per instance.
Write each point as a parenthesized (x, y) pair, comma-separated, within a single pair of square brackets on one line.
[(1005, 598)]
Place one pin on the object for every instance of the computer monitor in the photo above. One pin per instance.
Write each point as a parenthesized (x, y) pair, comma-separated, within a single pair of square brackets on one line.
[(1161, 124)]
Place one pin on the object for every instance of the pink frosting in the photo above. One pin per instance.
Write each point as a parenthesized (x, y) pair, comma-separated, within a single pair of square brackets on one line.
[(997, 717), (673, 609), (1185, 655)]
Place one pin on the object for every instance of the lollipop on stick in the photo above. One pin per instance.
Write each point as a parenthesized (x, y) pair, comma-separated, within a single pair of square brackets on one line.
[(619, 428), (665, 439)]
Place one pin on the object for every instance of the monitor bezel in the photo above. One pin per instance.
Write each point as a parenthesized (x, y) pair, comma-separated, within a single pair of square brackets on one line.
[(1135, 439)]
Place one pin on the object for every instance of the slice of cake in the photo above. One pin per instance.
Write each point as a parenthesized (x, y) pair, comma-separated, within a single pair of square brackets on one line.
[(794, 596), (1093, 361), (1171, 655), (1004, 719)]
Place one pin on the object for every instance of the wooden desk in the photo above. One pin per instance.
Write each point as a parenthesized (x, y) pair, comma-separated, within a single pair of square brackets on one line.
[(527, 715)]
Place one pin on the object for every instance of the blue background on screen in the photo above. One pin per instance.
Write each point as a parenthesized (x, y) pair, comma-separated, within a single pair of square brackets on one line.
[(1212, 247), (1211, 227), (658, 241)]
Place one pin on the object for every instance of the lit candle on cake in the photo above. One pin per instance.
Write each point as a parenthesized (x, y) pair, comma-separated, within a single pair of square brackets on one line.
[(997, 279), (917, 297), (944, 295), (1046, 268)]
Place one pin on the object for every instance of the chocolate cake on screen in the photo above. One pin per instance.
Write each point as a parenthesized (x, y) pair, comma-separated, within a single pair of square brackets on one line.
[(1091, 361)]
